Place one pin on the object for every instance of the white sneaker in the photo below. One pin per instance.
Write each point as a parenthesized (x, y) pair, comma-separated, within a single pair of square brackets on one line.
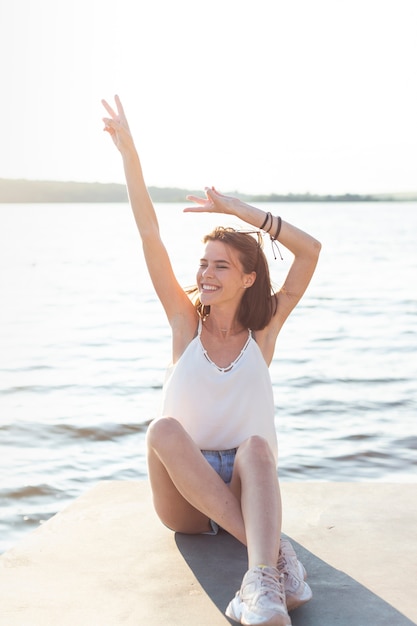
[(297, 591), (261, 599)]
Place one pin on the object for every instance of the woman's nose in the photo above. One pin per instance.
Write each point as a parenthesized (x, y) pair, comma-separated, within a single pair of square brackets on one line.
[(207, 271)]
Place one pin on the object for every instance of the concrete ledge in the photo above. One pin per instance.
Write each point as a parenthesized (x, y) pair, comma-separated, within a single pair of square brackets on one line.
[(106, 560)]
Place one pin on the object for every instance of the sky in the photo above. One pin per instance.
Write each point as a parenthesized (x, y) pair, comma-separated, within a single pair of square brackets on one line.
[(285, 96)]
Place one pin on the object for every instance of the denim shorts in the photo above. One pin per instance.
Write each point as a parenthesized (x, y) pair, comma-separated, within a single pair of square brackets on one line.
[(222, 462)]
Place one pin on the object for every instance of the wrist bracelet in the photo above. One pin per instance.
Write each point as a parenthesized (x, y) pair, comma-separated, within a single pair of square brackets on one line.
[(277, 232), (267, 216)]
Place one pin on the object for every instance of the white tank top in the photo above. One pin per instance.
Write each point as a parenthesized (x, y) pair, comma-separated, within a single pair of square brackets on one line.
[(221, 407)]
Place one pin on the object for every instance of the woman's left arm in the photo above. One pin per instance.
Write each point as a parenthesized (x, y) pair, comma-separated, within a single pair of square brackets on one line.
[(304, 247), (306, 250)]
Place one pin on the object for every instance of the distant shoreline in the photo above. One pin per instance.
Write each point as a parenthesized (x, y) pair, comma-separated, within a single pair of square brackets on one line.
[(19, 191)]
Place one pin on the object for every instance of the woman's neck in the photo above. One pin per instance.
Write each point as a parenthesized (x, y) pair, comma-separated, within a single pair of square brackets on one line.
[(223, 326)]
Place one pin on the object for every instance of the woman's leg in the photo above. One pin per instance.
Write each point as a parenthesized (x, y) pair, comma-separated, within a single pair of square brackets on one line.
[(187, 491), (255, 484)]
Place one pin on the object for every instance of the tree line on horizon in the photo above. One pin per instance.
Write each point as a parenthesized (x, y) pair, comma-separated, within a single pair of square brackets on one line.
[(36, 191)]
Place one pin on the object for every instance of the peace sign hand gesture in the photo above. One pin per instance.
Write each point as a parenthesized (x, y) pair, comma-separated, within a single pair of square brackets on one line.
[(117, 126)]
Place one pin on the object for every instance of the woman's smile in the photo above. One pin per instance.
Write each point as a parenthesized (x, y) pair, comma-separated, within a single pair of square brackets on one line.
[(206, 287)]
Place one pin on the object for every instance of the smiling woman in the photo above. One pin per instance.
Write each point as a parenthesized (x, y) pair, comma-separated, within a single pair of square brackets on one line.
[(230, 253), (218, 397)]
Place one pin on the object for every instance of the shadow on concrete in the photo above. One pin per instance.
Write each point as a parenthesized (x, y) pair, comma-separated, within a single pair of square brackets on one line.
[(219, 563)]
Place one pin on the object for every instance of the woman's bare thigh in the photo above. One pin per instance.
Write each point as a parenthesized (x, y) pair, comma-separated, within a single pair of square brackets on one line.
[(171, 507)]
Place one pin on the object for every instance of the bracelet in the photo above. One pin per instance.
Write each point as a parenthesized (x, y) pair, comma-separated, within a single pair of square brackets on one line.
[(277, 232), (264, 223)]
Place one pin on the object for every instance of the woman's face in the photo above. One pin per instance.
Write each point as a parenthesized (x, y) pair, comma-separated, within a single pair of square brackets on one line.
[(220, 277)]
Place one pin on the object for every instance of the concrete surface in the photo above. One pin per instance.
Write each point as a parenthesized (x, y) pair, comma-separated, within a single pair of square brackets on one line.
[(106, 560)]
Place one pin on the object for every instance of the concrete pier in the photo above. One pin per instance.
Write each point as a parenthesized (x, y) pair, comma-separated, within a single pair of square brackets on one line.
[(106, 560)]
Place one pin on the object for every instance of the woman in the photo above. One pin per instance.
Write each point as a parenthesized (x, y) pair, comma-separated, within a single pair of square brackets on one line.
[(212, 455)]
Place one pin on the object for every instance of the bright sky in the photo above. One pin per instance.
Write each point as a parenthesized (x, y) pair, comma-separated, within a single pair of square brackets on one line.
[(256, 96)]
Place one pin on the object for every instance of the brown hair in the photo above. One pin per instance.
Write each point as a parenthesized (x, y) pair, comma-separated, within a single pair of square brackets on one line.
[(258, 304)]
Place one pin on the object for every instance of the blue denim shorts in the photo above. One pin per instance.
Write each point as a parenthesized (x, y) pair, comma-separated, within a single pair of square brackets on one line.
[(222, 462)]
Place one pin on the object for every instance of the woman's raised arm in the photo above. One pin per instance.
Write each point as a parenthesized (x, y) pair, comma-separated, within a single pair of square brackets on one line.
[(171, 294), (304, 247)]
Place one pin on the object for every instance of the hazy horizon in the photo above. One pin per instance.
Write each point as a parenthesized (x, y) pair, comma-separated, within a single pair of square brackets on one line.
[(122, 187)]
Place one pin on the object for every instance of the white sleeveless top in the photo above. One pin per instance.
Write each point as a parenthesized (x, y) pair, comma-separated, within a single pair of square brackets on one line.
[(221, 407)]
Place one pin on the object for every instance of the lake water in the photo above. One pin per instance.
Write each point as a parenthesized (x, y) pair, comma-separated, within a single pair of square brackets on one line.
[(84, 346)]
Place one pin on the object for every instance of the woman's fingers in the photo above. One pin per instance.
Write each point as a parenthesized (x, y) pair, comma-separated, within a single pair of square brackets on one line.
[(205, 205), (118, 117), (119, 106), (116, 125), (212, 192), (109, 109), (196, 199)]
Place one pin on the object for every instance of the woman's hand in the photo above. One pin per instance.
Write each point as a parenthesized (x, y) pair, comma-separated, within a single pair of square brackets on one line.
[(214, 202), (116, 125)]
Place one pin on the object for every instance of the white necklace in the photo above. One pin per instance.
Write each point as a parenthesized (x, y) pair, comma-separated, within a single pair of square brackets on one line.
[(233, 363)]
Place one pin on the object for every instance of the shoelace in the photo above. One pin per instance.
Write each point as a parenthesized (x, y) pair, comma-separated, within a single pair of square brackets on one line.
[(282, 564), (272, 584)]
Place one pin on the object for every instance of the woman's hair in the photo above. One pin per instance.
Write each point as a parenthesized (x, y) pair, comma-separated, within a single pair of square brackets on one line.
[(257, 305)]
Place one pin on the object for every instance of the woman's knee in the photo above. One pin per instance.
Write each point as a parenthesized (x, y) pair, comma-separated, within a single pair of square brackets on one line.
[(255, 448), (161, 429)]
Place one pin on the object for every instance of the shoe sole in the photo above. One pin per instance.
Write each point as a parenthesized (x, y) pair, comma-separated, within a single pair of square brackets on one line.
[(295, 601), (234, 611)]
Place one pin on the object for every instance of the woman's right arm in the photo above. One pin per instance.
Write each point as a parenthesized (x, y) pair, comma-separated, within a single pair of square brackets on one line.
[(175, 301)]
